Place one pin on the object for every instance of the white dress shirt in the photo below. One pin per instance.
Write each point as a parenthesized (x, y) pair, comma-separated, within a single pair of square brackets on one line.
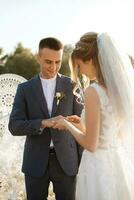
[(49, 86)]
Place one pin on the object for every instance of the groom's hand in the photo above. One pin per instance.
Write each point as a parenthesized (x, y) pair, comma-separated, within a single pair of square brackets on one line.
[(49, 123), (59, 123)]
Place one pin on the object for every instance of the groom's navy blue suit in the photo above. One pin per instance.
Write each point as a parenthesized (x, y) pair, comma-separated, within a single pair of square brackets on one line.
[(29, 109)]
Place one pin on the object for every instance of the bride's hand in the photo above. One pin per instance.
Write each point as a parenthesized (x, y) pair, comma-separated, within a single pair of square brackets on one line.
[(74, 119)]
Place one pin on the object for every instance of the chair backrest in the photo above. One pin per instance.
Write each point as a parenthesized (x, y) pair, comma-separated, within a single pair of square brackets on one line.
[(8, 86)]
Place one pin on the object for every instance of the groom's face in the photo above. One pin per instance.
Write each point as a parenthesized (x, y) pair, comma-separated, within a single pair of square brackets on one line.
[(50, 62)]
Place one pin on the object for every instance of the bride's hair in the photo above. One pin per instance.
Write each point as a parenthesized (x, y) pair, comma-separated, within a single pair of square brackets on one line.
[(116, 73), (86, 49)]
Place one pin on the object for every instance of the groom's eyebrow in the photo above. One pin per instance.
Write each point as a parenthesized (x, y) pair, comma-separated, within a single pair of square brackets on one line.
[(57, 61), (47, 60)]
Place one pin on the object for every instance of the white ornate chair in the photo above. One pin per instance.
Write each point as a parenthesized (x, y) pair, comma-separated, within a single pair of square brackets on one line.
[(8, 86)]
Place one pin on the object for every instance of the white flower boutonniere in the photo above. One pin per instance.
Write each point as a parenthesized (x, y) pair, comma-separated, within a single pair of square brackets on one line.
[(59, 96)]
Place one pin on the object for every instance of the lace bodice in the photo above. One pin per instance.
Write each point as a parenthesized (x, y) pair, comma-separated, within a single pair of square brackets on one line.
[(109, 126)]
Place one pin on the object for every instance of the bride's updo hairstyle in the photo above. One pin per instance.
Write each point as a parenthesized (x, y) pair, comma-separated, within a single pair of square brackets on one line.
[(86, 49)]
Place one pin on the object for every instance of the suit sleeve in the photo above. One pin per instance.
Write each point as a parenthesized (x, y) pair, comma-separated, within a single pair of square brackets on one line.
[(19, 124)]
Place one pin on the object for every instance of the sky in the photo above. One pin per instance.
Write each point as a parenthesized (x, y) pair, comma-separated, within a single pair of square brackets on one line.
[(28, 21)]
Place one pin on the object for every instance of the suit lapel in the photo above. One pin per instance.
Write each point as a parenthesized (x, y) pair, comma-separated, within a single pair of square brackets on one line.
[(38, 91), (59, 88)]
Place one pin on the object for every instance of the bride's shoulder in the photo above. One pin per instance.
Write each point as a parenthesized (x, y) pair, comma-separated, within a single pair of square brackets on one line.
[(92, 89), (99, 89), (101, 92), (96, 91), (91, 93)]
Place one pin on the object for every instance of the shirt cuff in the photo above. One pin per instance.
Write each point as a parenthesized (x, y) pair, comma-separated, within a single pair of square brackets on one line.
[(41, 130)]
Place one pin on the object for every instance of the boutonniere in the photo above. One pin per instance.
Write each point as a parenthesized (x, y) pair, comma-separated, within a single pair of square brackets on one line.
[(59, 96)]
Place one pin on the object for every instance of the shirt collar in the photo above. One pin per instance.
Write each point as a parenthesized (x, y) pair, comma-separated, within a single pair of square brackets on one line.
[(48, 80)]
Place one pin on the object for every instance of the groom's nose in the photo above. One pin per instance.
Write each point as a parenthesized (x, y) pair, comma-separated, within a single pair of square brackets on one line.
[(53, 66)]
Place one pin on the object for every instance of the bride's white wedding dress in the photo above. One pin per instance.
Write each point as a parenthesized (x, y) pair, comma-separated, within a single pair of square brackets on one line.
[(107, 173)]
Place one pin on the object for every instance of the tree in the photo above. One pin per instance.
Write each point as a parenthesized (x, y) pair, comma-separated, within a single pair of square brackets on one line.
[(132, 60), (65, 62), (3, 59), (22, 62)]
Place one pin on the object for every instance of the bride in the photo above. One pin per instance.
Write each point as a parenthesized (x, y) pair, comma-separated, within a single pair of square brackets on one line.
[(106, 128)]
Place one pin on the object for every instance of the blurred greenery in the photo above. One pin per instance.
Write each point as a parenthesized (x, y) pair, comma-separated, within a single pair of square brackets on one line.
[(65, 62), (132, 60), (23, 62)]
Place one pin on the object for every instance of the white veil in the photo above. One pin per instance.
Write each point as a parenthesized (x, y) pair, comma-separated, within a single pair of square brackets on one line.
[(118, 75)]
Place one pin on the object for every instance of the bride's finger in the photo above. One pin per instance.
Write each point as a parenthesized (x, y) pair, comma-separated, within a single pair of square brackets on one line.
[(74, 119)]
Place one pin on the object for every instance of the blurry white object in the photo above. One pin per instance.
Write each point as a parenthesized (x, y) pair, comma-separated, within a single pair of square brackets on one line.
[(8, 86)]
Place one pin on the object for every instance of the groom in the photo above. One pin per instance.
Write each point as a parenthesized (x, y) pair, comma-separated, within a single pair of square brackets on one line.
[(49, 154)]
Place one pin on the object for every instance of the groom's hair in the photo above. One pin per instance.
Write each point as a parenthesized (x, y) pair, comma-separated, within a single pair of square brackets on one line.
[(51, 43)]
